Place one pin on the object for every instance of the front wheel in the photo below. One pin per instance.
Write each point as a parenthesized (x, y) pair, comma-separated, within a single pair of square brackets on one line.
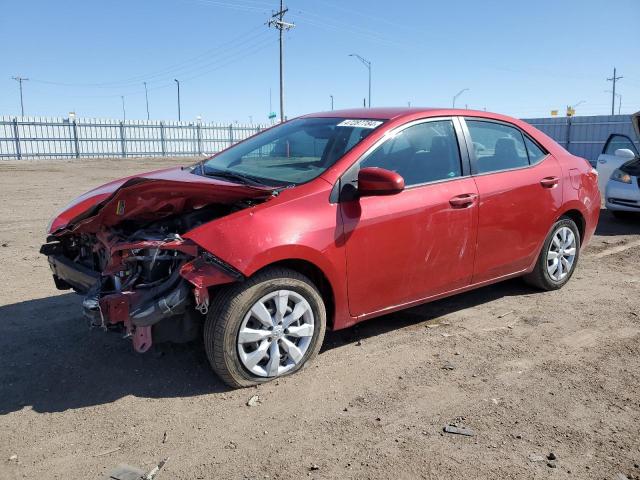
[(558, 258), (266, 327)]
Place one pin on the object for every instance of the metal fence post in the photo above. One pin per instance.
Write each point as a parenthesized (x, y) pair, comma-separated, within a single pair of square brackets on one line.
[(122, 140), (76, 143), (199, 135), (17, 138), (230, 134), (162, 146)]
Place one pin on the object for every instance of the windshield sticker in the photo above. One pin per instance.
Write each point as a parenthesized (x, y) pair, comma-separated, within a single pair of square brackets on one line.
[(360, 123)]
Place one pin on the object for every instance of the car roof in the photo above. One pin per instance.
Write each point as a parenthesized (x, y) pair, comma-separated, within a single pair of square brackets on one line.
[(392, 113)]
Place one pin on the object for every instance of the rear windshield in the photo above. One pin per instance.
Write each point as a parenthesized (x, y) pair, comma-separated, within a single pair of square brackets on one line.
[(294, 152)]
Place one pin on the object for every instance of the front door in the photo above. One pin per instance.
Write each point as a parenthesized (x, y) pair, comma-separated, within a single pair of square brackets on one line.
[(419, 242)]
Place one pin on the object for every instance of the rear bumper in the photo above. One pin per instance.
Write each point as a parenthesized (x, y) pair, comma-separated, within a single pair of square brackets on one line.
[(67, 274)]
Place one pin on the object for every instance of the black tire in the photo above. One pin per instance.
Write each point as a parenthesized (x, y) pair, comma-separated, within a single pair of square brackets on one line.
[(540, 277), (227, 312)]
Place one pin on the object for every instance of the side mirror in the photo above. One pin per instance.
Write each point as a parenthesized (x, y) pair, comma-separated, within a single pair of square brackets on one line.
[(624, 153), (379, 181)]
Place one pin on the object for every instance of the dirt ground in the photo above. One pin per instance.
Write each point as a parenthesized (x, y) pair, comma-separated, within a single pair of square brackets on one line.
[(531, 373)]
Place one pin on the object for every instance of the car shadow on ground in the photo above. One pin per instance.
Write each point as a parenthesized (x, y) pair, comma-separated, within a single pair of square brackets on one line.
[(51, 361), (430, 312), (609, 226)]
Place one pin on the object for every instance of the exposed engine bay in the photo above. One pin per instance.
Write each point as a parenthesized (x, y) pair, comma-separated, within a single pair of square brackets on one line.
[(139, 275)]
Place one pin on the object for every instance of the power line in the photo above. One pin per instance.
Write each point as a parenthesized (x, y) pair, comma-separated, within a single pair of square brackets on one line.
[(277, 21), (182, 67), (614, 79)]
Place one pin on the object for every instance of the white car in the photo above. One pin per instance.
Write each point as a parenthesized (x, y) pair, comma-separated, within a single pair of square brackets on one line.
[(619, 173)]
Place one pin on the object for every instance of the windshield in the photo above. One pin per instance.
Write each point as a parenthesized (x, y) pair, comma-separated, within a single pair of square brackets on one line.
[(292, 153)]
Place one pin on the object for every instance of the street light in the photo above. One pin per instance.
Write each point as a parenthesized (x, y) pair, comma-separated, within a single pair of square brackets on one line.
[(331, 96), (146, 96), (124, 111), (619, 99), (367, 64), (178, 83), (455, 97)]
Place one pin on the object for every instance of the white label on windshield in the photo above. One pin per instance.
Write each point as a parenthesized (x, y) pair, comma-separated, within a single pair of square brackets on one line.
[(360, 123)]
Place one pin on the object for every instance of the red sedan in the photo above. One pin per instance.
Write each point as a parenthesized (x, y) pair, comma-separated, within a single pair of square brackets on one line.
[(322, 222)]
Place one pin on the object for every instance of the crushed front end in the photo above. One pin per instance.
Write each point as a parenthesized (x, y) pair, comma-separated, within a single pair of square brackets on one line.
[(148, 282), (121, 247)]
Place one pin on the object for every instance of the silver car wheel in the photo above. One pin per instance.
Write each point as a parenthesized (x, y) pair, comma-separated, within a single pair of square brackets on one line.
[(276, 333), (561, 254)]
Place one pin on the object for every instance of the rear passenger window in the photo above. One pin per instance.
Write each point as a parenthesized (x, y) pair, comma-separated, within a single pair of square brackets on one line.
[(535, 152), (497, 146), (422, 153)]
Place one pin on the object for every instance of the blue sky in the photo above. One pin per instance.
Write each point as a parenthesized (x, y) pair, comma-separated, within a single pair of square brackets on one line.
[(519, 58)]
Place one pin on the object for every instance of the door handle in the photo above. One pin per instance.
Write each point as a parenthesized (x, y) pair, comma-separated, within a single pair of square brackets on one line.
[(464, 200), (549, 182)]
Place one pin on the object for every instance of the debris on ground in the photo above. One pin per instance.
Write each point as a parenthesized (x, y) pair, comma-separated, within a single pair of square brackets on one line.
[(459, 430), (535, 458), (551, 465), (164, 437), (150, 475), (13, 458), (125, 472), (107, 452), (551, 456), (253, 401), (448, 366), (314, 467), (359, 343), (502, 315)]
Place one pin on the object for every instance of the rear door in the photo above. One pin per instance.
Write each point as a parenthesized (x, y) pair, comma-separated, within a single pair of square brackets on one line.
[(519, 196), (419, 242)]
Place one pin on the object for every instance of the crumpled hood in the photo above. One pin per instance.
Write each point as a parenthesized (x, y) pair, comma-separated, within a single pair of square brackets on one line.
[(149, 196)]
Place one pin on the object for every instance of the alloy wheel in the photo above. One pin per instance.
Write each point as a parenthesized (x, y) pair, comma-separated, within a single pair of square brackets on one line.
[(561, 254), (276, 333)]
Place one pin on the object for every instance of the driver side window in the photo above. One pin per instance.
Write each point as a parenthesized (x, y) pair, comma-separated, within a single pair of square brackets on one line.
[(423, 153)]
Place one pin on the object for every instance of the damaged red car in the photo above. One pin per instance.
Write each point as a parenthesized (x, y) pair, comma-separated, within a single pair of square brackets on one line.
[(319, 223)]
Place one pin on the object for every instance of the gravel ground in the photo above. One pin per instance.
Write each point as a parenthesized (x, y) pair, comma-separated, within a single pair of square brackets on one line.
[(530, 373)]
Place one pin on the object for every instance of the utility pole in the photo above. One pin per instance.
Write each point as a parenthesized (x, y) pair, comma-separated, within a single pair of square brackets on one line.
[(331, 96), (146, 96), (367, 64), (20, 80), (124, 111), (178, 83), (277, 21), (613, 79)]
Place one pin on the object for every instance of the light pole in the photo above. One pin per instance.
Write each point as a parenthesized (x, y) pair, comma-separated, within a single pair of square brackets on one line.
[(455, 97), (619, 96), (124, 111), (178, 84), (331, 96), (367, 64), (146, 96), (20, 80)]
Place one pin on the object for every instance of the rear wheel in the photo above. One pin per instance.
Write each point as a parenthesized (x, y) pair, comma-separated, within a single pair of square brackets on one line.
[(264, 328), (558, 257)]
